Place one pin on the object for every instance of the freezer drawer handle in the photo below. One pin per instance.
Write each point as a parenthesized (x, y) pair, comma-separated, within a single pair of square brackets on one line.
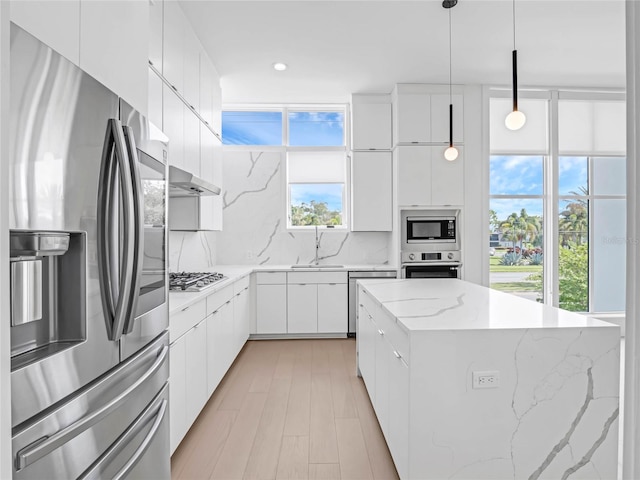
[(41, 448), (95, 471)]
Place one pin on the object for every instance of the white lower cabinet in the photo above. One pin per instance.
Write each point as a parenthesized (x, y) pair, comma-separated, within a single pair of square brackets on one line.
[(205, 339), (382, 346), (196, 370), (302, 308), (333, 308), (271, 302)]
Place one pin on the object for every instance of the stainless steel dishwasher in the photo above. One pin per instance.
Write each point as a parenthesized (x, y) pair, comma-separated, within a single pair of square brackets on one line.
[(353, 276)]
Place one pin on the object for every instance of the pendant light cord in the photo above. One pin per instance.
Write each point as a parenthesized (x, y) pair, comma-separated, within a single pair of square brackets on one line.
[(514, 23), (449, 55)]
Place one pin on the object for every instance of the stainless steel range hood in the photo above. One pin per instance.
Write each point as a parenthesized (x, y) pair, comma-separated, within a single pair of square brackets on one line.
[(185, 184)]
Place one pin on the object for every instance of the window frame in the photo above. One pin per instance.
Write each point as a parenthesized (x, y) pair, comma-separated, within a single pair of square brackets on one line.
[(285, 149), (551, 195)]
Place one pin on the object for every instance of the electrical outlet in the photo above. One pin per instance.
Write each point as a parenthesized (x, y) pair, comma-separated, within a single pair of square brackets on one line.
[(487, 379), (249, 255)]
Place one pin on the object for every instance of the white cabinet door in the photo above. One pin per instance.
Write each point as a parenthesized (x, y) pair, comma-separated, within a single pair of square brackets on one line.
[(371, 125), (155, 33), (207, 79), (155, 99), (371, 192), (412, 118), (191, 135), (333, 307), (114, 47), (178, 425), (302, 308), (382, 359), (367, 333), (215, 370), (227, 335), (173, 125), (196, 344), (55, 23), (240, 320), (211, 170), (440, 118), (414, 175), (447, 178), (271, 308), (191, 66), (173, 52), (398, 437)]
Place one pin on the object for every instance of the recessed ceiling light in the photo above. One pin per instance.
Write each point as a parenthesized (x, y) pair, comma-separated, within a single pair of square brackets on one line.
[(280, 66)]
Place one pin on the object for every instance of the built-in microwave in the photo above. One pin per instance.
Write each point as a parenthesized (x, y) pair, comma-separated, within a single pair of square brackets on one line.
[(422, 228)]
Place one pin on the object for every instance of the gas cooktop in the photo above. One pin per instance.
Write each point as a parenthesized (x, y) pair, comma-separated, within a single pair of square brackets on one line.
[(193, 281)]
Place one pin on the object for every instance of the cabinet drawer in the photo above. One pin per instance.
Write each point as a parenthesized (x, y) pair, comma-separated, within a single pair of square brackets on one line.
[(219, 298), (241, 284), (271, 278), (399, 340), (317, 277), (181, 322), (367, 302)]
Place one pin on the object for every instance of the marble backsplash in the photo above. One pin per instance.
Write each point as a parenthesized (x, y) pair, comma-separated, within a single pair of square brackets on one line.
[(191, 251), (255, 224)]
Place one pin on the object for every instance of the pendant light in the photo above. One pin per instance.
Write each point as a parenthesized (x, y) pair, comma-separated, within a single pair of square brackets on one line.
[(450, 153), (516, 119)]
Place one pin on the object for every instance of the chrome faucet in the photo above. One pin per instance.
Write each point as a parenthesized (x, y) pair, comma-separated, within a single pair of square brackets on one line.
[(317, 246)]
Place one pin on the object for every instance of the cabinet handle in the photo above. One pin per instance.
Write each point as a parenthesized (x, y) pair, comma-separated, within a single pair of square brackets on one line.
[(228, 302), (395, 352), (361, 305), (186, 308), (333, 284), (174, 88), (381, 332)]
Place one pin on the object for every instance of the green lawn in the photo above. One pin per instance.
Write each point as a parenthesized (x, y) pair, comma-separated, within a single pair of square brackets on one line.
[(494, 266), (515, 287)]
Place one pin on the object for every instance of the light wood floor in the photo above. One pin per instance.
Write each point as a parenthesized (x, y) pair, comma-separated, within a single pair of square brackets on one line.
[(287, 409)]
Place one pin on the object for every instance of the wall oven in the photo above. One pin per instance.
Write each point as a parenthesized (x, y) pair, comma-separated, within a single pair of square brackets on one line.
[(422, 270)]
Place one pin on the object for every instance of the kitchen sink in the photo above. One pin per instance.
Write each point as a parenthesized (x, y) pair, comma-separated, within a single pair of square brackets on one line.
[(311, 265)]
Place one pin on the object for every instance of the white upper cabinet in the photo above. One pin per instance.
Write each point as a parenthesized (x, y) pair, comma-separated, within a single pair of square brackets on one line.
[(371, 191), (191, 69), (440, 118), (207, 80), (427, 178), (55, 23), (421, 114), (173, 45), (154, 112), (370, 122), (412, 114), (155, 33), (114, 47), (173, 125)]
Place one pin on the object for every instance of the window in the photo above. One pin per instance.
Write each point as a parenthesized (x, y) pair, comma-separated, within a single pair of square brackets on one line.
[(314, 152), (581, 188), (316, 188), (252, 128)]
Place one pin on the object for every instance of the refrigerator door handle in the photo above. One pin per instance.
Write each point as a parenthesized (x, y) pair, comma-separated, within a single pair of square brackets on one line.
[(137, 226), (95, 471), (115, 161), (46, 445)]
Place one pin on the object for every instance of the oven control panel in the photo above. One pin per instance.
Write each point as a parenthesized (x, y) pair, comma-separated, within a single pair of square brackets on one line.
[(431, 257)]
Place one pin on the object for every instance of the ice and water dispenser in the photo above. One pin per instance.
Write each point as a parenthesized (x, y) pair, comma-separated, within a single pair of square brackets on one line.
[(47, 293)]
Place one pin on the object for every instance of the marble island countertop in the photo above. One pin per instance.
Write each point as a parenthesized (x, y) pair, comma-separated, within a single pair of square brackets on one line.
[(450, 304)]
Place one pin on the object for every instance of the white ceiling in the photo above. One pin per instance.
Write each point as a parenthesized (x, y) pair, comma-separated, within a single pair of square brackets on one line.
[(335, 48)]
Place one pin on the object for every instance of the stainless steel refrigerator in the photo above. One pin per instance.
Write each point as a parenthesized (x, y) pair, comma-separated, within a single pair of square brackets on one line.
[(88, 240)]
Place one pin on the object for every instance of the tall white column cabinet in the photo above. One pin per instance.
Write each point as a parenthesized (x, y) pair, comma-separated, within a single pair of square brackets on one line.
[(371, 163)]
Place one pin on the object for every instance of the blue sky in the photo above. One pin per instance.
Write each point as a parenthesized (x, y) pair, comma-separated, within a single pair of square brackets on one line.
[(265, 128), (328, 192), (521, 175)]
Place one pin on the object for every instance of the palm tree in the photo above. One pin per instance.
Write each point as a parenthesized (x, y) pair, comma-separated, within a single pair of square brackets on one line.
[(573, 224), (521, 228)]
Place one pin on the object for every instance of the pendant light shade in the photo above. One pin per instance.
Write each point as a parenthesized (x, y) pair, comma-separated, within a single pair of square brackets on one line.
[(450, 153), (516, 119)]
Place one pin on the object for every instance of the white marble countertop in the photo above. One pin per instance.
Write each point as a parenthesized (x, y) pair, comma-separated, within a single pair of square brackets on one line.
[(179, 300), (450, 304)]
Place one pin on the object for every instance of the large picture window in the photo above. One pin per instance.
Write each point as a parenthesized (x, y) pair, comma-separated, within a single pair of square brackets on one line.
[(314, 150), (566, 179)]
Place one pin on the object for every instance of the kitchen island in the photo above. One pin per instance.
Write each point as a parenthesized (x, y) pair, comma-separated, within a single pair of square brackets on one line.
[(472, 383)]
